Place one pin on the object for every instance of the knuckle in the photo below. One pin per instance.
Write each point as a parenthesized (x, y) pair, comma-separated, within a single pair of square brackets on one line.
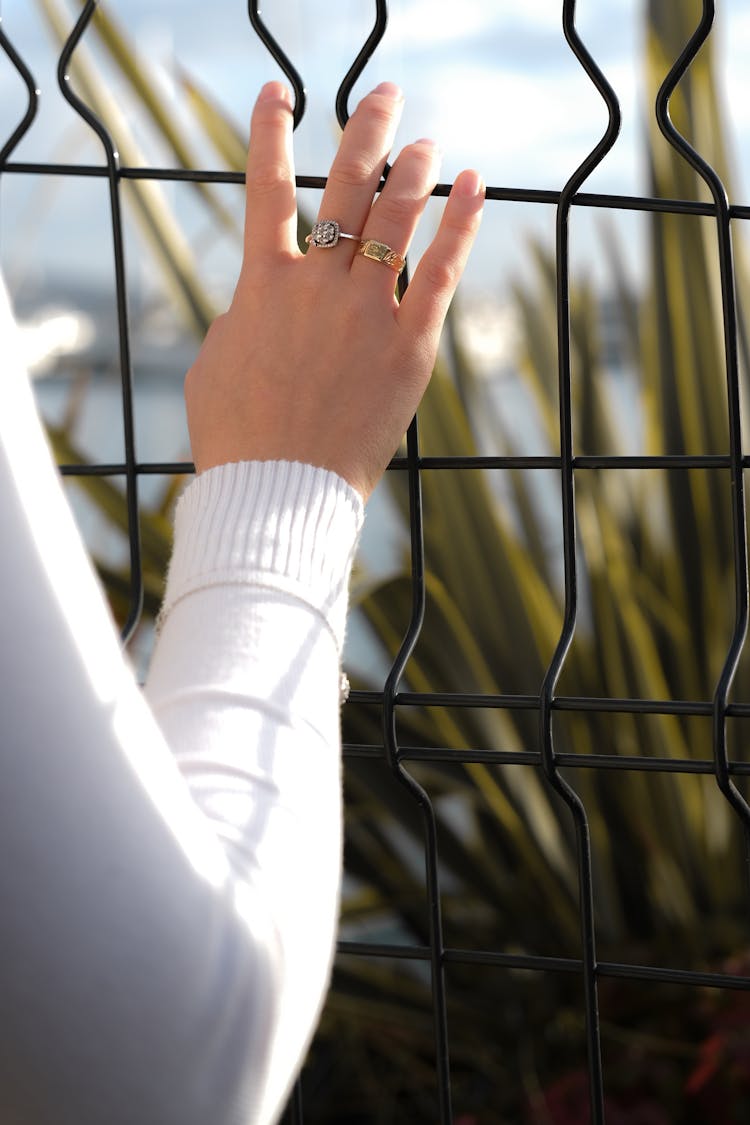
[(441, 273), (421, 156), (352, 172), (377, 108), (465, 226), (271, 114), (380, 109), (272, 177), (396, 209)]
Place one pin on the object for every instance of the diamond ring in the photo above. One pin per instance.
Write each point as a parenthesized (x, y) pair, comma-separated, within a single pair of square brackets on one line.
[(326, 233)]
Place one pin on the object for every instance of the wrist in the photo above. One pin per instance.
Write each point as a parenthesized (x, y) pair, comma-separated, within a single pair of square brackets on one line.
[(274, 524)]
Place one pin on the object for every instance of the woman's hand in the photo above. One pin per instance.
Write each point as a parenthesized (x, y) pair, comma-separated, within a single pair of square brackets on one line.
[(315, 360)]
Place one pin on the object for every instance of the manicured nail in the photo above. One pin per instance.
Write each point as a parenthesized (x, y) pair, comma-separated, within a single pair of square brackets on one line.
[(275, 92), (390, 90), (469, 184)]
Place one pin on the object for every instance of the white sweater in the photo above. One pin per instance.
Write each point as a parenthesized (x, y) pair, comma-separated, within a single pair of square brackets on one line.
[(169, 867)]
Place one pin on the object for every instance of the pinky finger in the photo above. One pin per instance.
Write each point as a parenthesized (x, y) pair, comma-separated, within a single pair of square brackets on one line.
[(425, 303)]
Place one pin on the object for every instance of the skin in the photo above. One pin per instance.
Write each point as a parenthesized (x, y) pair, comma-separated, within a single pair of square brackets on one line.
[(315, 360)]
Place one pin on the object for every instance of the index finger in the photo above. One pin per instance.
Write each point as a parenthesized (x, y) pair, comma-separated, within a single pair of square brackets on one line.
[(270, 197)]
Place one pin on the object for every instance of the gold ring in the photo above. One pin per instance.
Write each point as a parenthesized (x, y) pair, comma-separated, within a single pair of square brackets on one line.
[(380, 252)]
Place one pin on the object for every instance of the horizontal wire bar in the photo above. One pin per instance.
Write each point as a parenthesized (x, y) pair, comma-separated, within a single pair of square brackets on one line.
[(188, 175), (576, 761), (529, 702), (657, 461), (116, 468), (496, 193), (588, 461), (631, 763), (651, 973)]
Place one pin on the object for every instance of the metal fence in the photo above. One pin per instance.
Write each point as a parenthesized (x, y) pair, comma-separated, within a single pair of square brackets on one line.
[(548, 754)]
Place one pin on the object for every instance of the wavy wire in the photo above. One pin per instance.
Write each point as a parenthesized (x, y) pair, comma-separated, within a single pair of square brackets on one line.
[(126, 375), (551, 769), (729, 317), (567, 464)]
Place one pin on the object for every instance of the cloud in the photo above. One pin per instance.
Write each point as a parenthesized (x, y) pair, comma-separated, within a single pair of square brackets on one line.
[(424, 24), (521, 129)]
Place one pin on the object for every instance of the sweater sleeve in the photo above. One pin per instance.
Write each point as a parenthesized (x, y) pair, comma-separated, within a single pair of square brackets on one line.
[(245, 685), (169, 866)]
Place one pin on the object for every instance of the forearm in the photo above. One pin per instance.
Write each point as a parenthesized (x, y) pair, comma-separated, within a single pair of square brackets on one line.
[(244, 684)]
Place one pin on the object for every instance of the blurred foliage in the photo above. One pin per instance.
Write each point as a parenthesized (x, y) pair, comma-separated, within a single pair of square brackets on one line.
[(657, 612)]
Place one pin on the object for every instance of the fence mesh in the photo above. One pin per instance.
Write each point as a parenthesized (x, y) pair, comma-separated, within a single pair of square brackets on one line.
[(545, 907)]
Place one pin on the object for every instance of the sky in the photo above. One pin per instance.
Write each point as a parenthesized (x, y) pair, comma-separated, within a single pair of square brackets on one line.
[(493, 82)]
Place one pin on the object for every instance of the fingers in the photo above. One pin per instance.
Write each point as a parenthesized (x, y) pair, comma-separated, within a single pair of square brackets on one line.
[(397, 210), (271, 217), (271, 210), (425, 303), (358, 166)]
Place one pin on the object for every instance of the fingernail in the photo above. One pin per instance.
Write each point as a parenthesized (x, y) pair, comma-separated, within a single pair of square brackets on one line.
[(469, 184), (275, 92), (389, 90), (428, 142)]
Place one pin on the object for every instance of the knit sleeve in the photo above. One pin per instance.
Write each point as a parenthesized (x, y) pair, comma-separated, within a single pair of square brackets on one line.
[(273, 525), (244, 684), (169, 865)]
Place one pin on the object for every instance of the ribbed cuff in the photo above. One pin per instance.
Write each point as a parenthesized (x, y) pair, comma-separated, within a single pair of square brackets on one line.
[(274, 524)]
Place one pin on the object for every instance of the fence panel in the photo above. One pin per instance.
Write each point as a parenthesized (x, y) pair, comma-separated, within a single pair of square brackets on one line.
[(547, 814)]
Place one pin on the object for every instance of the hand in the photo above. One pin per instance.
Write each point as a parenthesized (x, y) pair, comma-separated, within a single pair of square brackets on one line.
[(315, 360)]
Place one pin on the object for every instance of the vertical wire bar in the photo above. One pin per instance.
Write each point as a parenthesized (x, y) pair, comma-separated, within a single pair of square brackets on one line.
[(729, 318), (390, 690), (126, 375), (557, 782), (390, 737), (361, 61), (280, 56), (390, 741), (33, 93)]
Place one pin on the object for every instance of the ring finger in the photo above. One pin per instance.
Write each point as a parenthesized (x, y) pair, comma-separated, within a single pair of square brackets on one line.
[(395, 213)]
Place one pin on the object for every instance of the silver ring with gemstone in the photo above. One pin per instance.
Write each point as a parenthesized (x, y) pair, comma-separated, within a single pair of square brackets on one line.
[(327, 233)]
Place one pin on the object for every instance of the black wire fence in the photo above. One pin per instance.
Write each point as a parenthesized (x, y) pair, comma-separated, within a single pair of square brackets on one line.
[(456, 1009)]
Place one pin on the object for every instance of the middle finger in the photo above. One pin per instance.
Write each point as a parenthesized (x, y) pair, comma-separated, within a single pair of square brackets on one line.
[(358, 167)]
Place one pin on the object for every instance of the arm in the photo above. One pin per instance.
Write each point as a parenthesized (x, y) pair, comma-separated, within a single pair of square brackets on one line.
[(168, 871), (244, 683), (169, 875)]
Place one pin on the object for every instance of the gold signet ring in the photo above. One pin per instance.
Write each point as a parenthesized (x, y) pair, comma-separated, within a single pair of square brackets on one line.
[(381, 252)]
